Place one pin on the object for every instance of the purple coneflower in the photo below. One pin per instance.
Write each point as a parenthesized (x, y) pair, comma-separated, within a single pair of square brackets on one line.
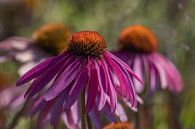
[(50, 39), (85, 73), (138, 47)]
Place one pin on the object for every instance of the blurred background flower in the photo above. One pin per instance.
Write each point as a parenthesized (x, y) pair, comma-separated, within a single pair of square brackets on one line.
[(138, 48)]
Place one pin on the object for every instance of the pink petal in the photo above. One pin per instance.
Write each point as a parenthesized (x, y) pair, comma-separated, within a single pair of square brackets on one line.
[(92, 88), (64, 80)]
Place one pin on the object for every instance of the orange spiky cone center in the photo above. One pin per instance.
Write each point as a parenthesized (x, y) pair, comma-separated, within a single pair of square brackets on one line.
[(87, 43), (52, 38), (119, 125), (138, 38)]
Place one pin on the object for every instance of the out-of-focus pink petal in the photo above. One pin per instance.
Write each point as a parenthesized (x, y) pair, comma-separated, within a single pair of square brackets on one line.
[(138, 68), (120, 112), (26, 67)]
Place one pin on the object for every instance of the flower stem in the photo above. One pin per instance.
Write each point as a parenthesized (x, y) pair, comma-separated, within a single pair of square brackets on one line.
[(146, 117), (137, 119), (89, 123), (173, 112), (83, 112)]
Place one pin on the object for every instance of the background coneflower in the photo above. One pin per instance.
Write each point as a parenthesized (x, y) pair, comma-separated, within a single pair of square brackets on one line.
[(49, 39), (52, 37), (138, 48)]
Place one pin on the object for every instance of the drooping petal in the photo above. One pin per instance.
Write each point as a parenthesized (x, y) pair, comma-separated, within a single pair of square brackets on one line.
[(175, 82), (57, 109), (138, 68), (126, 86), (110, 116), (161, 71), (76, 88), (44, 79), (111, 89), (119, 76), (64, 80), (95, 119), (103, 85), (39, 69), (38, 105), (71, 117), (121, 63), (44, 115), (25, 67), (92, 88), (154, 77), (120, 112)]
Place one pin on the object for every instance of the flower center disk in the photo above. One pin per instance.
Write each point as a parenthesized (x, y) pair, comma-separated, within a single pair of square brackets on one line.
[(138, 38), (87, 43), (119, 125), (52, 38)]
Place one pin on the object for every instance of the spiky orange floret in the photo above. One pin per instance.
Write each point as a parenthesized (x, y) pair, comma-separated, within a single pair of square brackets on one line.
[(87, 43), (52, 37), (119, 125), (138, 38)]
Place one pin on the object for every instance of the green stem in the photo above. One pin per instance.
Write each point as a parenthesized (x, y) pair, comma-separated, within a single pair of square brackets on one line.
[(89, 123), (173, 112), (137, 119), (146, 117)]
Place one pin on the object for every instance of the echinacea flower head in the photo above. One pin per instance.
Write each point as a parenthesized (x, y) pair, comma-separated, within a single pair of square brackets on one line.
[(52, 37), (119, 125), (84, 67), (138, 39), (138, 48), (87, 44)]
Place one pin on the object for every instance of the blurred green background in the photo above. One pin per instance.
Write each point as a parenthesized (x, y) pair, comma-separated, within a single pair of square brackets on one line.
[(173, 21)]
